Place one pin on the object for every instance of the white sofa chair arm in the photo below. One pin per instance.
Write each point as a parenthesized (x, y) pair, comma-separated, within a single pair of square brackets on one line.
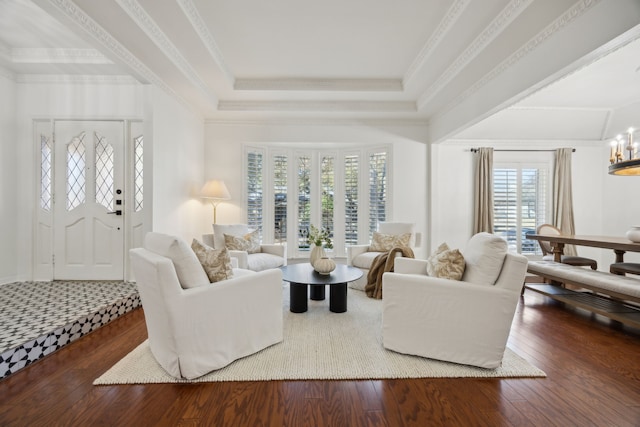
[(274, 249), (410, 266), (513, 271), (355, 250), (242, 257)]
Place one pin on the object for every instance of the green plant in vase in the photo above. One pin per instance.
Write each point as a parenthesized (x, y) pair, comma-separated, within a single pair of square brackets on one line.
[(320, 238)]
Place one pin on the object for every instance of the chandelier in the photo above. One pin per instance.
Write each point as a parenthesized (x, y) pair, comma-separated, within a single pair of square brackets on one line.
[(621, 163)]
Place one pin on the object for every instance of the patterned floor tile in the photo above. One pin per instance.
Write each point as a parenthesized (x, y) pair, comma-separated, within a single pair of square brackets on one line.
[(37, 318)]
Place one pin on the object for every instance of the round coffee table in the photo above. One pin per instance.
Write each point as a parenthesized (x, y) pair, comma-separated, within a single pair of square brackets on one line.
[(301, 276)]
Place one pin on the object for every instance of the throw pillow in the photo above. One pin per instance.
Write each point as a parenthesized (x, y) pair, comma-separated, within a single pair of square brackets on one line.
[(386, 242), (484, 256), (250, 242), (216, 262), (219, 230), (446, 263), (188, 268)]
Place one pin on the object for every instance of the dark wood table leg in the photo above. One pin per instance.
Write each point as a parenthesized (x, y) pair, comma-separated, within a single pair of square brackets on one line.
[(298, 297), (338, 298), (317, 292), (558, 251), (619, 255)]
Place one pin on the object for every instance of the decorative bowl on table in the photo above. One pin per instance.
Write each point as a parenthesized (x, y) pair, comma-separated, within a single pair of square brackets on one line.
[(634, 234), (324, 265)]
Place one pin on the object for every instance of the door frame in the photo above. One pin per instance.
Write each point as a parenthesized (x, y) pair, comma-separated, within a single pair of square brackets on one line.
[(43, 221)]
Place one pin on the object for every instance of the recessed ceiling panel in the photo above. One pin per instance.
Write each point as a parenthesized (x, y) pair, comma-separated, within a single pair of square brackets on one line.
[(326, 39)]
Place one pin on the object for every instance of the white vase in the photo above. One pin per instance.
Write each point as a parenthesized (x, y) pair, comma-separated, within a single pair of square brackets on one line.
[(634, 234), (324, 265), (317, 252)]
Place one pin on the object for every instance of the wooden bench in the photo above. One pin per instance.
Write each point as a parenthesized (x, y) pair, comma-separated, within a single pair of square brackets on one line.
[(614, 296)]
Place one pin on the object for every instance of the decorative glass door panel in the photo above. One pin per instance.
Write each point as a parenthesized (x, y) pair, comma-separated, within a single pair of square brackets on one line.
[(88, 223)]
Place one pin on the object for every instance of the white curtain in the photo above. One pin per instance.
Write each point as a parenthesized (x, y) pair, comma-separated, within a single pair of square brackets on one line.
[(483, 191), (563, 196)]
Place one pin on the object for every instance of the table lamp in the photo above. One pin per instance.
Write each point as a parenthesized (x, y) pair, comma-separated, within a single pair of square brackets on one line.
[(215, 191)]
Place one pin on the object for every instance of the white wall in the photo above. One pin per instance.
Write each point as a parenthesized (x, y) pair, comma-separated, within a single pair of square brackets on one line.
[(55, 101), (223, 159), (452, 190), (174, 144), (8, 189), (178, 164)]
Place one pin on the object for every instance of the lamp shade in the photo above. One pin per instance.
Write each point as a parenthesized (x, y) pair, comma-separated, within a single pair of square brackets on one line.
[(216, 190)]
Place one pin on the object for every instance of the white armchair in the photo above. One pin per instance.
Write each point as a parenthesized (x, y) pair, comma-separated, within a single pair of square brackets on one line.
[(362, 256), (465, 321), (196, 327), (270, 255)]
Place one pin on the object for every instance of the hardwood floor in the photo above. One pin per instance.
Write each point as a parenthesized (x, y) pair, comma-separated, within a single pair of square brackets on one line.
[(592, 366)]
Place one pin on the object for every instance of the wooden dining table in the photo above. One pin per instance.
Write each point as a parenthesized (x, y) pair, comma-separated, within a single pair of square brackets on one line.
[(619, 245)]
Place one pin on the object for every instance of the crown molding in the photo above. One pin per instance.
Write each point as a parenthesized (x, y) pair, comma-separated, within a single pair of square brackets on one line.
[(200, 27), (337, 85), (520, 144), (335, 106), (160, 39), (318, 122), (57, 56), (493, 30), (71, 11), (77, 79), (551, 108), (444, 27), (574, 12)]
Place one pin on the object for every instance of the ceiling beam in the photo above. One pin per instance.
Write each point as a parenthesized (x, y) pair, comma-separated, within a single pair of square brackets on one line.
[(586, 32)]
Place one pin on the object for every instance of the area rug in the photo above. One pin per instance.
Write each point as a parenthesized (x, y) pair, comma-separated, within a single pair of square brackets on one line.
[(321, 345)]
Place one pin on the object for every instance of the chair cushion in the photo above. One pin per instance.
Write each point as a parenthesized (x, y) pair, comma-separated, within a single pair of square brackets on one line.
[(365, 260), (216, 262), (250, 242), (188, 269), (446, 263), (385, 242), (264, 261), (219, 230), (484, 256)]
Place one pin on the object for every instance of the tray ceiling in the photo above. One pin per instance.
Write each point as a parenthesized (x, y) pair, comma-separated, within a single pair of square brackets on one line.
[(407, 61)]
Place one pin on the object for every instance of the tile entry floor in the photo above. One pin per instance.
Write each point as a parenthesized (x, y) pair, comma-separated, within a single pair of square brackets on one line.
[(37, 318)]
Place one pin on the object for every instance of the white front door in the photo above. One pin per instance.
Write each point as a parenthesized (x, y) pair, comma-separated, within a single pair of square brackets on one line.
[(89, 198)]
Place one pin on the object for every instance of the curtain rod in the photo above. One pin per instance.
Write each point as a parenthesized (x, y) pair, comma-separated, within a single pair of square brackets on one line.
[(475, 150)]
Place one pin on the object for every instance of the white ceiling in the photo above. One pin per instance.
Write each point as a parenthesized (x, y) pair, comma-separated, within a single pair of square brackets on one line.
[(404, 61)]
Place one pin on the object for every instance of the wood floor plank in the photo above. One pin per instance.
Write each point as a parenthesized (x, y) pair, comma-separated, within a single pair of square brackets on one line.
[(591, 363)]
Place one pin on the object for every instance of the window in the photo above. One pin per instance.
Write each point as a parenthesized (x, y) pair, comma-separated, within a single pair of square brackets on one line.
[(287, 190), (76, 161), (327, 177), (351, 199), (104, 168), (46, 187), (304, 200), (377, 189), (254, 190), (520, 194), (138, 173), (280, 197)]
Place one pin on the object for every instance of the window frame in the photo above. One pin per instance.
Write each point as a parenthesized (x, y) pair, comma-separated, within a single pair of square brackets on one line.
[(535, 160), (293, 153)]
